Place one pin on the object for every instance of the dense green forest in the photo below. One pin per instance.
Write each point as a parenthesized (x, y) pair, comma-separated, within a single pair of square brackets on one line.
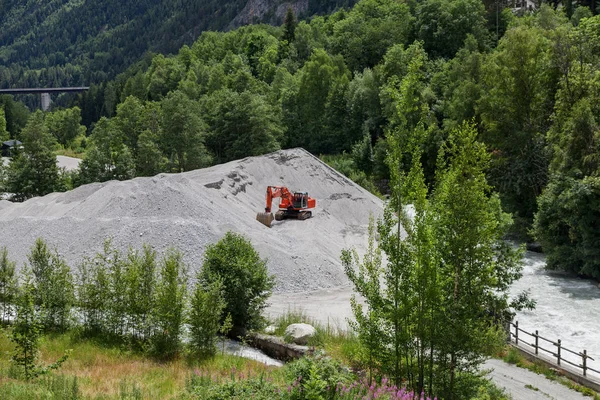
[(337, 85), (74, 42)]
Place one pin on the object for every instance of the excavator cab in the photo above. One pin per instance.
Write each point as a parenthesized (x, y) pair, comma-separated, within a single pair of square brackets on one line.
[(300, 200)]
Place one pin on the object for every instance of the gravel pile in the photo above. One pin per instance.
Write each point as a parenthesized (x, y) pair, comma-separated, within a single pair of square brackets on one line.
[(191, 210)]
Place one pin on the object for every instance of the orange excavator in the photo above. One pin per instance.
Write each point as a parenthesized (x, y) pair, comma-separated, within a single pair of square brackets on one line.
[(292, 205)]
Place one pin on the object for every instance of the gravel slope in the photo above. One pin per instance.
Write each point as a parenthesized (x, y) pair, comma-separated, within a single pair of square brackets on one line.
[(193, 209)]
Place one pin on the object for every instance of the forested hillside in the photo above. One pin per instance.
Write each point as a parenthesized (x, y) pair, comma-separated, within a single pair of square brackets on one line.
[(77, 42), (338, 85)]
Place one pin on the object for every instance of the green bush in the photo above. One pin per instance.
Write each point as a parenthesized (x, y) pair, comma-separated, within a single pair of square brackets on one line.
[(205, 313), (246, 282), (256, 388), (316, 377)]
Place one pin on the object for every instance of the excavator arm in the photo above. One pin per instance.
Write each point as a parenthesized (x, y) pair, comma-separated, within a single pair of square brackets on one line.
[(277, 191)]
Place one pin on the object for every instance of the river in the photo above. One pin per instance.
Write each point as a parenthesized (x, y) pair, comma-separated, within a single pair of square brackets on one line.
[(567, 308)]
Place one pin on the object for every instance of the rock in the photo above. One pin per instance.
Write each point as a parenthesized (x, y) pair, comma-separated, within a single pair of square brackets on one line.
[(269, 330), (300, 333), (535, 247)]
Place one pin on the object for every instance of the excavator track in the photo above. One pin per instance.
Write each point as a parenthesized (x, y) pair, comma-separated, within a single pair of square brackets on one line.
[(302, 215)]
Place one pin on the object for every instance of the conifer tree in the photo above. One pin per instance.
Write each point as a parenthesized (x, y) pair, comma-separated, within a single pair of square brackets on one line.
[(289, 26)]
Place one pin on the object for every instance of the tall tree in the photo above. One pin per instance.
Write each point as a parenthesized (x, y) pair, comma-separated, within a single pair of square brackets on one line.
[(515, 112), (241, 125), (65, 125), (437, 302), (206, 306), (289, 26), (33, 171), (246, 282), (108, 157), (477, 265), (183, 133)]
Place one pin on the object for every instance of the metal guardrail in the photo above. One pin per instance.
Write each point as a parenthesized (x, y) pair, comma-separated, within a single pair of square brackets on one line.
[(556, 352)]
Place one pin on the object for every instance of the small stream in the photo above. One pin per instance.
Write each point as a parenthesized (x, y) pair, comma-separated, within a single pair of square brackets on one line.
[(567, 308), (242, 350)]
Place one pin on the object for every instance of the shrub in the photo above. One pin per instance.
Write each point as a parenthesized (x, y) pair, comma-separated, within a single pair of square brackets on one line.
[(255, 388), (207, 305), (168, 313), (54, 292), (246, 282), (316, 377), (26, 334)]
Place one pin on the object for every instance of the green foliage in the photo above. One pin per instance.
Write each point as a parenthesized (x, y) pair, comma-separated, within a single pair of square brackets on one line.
[(140, 280), (255, 388), (183, 133), (443, 287), (93, 294), (53, 284), (289, 29), (515, 111), (25, 334), (316, 377), (108, 157), (462, 199), (444, 25), (4, 135), (206, 306), (168, 314), (8, 285), (52, 387), (241, 124), (364, 34), (65, 125), (33, 171), (565, 224), (362, 154), (246, 282)]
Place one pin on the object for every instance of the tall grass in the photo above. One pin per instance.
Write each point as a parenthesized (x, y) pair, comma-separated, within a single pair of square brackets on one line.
[(107, 372)]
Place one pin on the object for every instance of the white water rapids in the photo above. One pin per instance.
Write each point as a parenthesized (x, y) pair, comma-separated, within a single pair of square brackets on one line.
[(567, 308)]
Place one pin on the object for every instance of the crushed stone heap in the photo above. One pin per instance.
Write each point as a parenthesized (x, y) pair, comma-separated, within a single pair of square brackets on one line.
[(191, 210)]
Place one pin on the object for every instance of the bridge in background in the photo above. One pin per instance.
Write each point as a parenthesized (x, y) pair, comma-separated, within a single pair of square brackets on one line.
[(45, 93)]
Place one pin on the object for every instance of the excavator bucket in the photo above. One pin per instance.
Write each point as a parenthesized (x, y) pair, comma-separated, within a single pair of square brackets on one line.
[(265, 218)]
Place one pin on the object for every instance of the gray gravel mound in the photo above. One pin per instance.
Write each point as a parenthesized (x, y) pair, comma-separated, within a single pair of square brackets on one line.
[(191, 210)]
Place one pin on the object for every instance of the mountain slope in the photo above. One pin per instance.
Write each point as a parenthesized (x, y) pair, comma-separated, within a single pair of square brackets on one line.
[(76, 42)]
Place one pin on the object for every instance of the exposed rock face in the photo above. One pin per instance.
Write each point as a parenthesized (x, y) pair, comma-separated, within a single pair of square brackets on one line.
[(300, 333), (268, 11)]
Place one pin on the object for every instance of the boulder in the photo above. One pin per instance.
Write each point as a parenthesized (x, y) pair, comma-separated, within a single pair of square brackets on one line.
[(300, 333)]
